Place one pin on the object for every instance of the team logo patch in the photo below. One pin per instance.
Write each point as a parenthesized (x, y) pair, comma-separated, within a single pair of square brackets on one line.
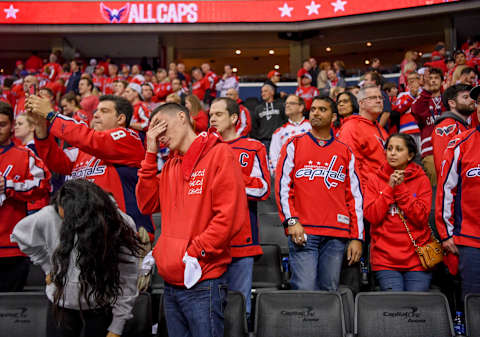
[(446, 130), (452, 143), (474, 172), (114, 15), (326, 171)]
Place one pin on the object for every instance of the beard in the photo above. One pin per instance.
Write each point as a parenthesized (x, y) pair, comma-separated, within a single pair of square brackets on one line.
[(465, 110)]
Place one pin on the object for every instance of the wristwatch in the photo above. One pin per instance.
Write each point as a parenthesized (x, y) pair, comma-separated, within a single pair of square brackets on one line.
[(290, 222)]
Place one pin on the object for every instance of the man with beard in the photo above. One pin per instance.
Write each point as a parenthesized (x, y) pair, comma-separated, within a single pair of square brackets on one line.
[(315, 168), (451, 123)]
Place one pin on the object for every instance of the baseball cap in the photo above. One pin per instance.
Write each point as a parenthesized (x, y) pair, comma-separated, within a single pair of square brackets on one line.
[(307, 75), (19, 62), (272, 73), (475, 92)]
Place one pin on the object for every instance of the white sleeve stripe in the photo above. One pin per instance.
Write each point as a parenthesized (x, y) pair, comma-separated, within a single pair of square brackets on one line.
[(143, 117), (29, 184), (426, 139), (243, 122), (72, 154), (357, 196), (285, 180), (427, 149), (450, 183), (257, 173), (274, 152)]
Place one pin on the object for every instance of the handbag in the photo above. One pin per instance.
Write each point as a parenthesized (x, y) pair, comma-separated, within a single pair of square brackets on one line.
[(430, 254)]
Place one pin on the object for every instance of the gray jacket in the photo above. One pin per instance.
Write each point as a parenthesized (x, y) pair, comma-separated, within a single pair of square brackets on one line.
[(38, 236)]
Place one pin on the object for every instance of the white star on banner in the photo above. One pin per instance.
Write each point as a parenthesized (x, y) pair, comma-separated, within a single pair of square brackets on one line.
[(339, 5), (285, 10), (11, 12), (313, 8)]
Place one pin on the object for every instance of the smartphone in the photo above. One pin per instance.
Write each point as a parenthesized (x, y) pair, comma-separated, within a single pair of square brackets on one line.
[(32, 90)]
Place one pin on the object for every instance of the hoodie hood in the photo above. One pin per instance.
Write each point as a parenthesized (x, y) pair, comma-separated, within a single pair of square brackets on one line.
[(449, 114), (200, 146), (412, 171)]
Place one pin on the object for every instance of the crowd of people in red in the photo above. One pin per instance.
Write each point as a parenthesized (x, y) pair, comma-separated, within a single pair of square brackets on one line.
[(376, 154)]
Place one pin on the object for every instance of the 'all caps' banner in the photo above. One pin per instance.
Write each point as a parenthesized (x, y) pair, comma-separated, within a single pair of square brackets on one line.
[(154, 12)]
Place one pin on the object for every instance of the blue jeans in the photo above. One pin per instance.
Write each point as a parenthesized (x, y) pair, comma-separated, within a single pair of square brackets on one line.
[(317, 265), (469, 268), (198, 311), (239, 278), (392, 280)]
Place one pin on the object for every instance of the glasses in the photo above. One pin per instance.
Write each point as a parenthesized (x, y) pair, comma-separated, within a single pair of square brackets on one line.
[(373, 98)]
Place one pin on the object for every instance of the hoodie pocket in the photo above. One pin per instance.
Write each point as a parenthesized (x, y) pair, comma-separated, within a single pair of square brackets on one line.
[(168, 254)]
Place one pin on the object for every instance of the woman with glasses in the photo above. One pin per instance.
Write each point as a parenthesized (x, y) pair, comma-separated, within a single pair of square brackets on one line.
[(347, 105)]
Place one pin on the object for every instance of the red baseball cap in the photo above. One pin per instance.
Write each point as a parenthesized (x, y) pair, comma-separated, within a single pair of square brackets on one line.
[(272, 73), (18, 62)]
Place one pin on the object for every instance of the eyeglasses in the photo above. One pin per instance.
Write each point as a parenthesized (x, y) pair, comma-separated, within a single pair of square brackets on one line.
[(372, 98)]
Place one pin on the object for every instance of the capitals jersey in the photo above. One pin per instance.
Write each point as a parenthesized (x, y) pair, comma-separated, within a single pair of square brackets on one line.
[(280, 137), (108, 85), (307, 93), (199, 88), (312, 172), (457, 206), (426, 109), (109, 158), (26, 179), (403, 105), (252, 157), (141, 114), (244, 123), (447, 127), (99, 82), (162, 90), (212, 79)]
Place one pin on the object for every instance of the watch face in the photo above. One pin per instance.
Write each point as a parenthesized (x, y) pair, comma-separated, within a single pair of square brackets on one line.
[(292, 222)]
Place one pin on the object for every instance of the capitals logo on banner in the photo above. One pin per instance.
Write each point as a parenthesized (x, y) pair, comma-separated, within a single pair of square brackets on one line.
[(114, 15)]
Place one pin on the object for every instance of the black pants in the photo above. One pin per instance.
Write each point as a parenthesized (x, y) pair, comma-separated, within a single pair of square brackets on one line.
[(13, 273), (69, 323)]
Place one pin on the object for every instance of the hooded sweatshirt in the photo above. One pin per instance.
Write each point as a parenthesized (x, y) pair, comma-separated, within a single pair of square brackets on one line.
[(366, 139), (447, 126), (38, 235), (201, 195), (391, 247), (266, 118)]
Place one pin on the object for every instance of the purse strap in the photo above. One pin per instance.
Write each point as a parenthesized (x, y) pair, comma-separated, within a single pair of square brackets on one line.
[(400, 214)]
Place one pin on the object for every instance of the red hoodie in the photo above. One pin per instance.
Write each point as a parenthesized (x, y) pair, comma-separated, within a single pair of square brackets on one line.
[(202, 198), (391, 247), (366, 139)]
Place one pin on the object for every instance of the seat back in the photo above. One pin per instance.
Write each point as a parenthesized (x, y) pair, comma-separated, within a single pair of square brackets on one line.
[(284, 313), (141, 322), (402, 314), (235, 315), (23, 314), (35, 280), (472, 314), (271, 231), (348, 302), (267, 269)]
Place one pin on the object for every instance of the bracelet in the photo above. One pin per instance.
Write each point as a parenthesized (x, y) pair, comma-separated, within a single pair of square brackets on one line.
[(51, 116)]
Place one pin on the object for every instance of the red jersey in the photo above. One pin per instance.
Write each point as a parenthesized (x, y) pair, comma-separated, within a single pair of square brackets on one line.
[(141, 114), (252, 157), (447, 127), (108, 85), (212, 79), (26, 179), (244, 123), (34, 62), (457, 206), (403, 105), (367, 141), (162, 90), (311, 172), (109, 158), (99, 82), (307, 93), (391, 247), (8, 97), (52, 71), (203, 204), (200, 122), (301, 72), (20, 106), (199, 88), (426, 109)]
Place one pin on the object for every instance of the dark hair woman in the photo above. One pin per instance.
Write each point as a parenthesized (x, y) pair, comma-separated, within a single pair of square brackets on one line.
[(347, 105), (89, 252), (397, 196)]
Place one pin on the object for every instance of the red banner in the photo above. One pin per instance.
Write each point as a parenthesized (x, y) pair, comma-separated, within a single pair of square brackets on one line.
[(155, 12)]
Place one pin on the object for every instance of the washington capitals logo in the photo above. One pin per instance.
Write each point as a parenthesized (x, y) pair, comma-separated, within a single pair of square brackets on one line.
[(325, 171), (445, 131), (114, 15)]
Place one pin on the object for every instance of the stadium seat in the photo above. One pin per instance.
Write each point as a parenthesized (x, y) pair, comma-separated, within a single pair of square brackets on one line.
[(472, 314), (141, 322), (235, 315), (250, 103), (271, 231), (299, 313), (267, 270), (348, 302), (402, 314), (23, 314), (35, 279)]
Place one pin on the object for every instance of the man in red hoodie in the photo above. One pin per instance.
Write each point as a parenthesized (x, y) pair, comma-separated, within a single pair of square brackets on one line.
[(252, 157), (202, 199)]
